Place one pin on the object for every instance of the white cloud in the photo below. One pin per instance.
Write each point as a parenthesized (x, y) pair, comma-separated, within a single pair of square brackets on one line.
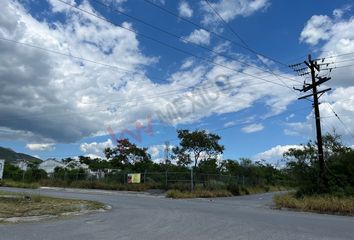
[(62, 91), (60, 7), (157, 152), (199, 36), (316, 29), (256, 127), (340, 12), (40, 146), (185, 10), (187, 63), (230, 124), (51, 98), (275, 154), (337, 35), (230, 9), (292, 115), (96, 149)]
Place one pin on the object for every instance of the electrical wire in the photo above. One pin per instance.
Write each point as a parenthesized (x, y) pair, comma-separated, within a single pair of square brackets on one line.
[(171, 46), (174, 139), (244, 43), (184, 39), (208, 30), (340, 120)]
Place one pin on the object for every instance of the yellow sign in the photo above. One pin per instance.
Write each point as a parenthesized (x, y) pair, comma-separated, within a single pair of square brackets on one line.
[(134, 177)]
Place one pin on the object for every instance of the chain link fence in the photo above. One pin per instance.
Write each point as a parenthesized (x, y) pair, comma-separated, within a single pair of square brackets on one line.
[(178, 180)]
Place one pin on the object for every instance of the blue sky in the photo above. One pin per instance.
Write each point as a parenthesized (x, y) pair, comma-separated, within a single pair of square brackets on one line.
[(69, 76)]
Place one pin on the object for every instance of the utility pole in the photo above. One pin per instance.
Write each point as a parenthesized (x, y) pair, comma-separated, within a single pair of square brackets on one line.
[(313, 68), (167, 153)]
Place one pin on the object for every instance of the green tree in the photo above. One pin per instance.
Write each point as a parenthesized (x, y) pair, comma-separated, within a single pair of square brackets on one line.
[(95, 164), (303, 167), (197, 146), (209, 166), (126, 154)]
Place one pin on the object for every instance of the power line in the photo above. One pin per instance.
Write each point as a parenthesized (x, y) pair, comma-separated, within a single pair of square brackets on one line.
[(243, 42), (338, 55), (107, 65), (214, 130), (183, 39), (171, 46), (345, 60), (340, 120), (208, 30)]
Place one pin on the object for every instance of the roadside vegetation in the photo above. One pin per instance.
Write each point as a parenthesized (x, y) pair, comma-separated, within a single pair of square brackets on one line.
[(27, 205), (199, 193), (335, 193), (195, 161), (18, 184), (317, 203)]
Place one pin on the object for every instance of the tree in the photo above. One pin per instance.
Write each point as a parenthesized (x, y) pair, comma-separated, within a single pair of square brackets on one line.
[(182, 158), (303, 167), (231, 167), (197, 145), (95, 164), (126, 153), (209, 166)]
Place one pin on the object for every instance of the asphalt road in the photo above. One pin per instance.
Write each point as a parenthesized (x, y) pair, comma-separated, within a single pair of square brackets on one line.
[(141, 216)]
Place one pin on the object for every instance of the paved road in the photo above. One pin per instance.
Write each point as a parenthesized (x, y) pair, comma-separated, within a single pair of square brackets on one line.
[(141, 216)]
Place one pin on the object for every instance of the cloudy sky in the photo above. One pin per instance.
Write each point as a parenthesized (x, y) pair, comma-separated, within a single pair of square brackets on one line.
[(76, 75)]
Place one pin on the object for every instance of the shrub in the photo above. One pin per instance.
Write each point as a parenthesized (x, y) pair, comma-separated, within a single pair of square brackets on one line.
[(214, 185), (234, 189), (198, 194), (317, 203)]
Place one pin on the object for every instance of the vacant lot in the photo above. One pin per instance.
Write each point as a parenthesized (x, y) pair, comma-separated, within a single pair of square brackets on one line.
[(25, 205)]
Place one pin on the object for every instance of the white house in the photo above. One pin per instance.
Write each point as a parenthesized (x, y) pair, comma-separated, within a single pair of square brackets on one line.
[(50, 164), (75, 164), (22, 164)]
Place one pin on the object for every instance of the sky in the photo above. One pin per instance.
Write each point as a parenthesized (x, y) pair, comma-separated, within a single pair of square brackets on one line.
[(76, 75)]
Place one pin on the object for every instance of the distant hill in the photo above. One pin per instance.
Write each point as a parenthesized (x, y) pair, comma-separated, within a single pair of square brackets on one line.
[(11, 156)]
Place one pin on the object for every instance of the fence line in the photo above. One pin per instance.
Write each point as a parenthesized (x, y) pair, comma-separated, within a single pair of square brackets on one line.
[(164, 178)]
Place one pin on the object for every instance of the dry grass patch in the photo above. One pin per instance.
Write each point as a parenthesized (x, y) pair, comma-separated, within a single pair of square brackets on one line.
[(15, 184), (24, 205), (197, 194), (319, 204)]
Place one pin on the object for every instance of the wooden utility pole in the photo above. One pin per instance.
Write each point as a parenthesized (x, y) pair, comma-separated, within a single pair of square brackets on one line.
[(314, 68)]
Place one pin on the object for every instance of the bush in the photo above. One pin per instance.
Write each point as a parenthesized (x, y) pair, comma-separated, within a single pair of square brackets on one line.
[(234, 189), (317, 203), (15, 184), (198, 194), (214, 185), (245, 191)]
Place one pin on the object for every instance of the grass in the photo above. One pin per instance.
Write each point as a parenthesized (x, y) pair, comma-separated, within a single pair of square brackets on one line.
[(227, 191), (319, 204), (198, 194), (212, 189), (23, 205), (15, 184), (86, 184)]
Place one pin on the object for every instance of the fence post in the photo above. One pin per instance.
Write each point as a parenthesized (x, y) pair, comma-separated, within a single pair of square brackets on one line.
[(166, 179), (192, 185), (243, 181)]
